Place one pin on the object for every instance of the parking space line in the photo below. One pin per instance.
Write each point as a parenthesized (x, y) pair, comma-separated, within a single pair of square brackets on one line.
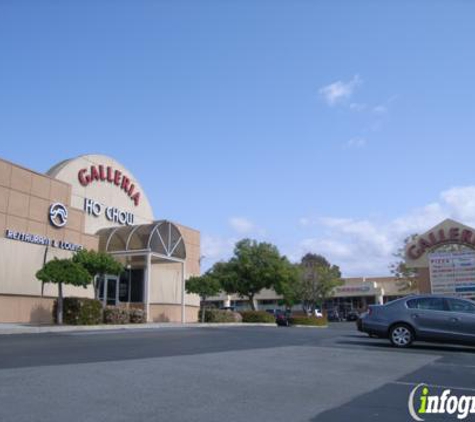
[(453, 364), (444, 387)]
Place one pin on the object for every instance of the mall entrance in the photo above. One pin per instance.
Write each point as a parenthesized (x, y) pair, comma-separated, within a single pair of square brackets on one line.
[(148, 252), (128, 288)]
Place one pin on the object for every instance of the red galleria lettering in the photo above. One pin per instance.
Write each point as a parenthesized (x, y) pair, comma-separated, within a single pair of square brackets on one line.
[(108, 174), (433, 239)]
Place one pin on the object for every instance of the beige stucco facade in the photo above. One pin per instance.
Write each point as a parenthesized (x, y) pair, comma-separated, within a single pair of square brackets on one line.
[(27, 309), (104, 192), (358, 289), (25, 226)]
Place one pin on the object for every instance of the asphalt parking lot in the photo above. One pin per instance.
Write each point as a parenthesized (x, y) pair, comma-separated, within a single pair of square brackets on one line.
[(226, 373)]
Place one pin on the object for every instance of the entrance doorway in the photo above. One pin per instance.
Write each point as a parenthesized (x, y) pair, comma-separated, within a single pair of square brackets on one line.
[(131, 285), (126, 288), (109, 290)]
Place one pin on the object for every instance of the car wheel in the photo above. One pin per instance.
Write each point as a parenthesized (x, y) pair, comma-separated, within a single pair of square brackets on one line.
[(401, 335)]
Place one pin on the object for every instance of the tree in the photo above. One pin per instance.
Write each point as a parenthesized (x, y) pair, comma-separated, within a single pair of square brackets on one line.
[(406, 276), (316, 282), (97, 264), (287, 287), (205, 285), (254, 266), (63, 271)]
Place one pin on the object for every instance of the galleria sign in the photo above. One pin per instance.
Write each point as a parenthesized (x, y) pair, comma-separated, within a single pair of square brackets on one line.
[(437, 238), (101, 173)]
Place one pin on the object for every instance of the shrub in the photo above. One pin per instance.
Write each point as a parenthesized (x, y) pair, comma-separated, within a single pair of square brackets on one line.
[(137, 316), (310, 321), (237, 316), (80, 311), (257, 316), (220, 315), (116, 315)]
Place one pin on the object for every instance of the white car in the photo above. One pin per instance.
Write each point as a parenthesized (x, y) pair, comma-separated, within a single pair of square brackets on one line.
[(318, 313)]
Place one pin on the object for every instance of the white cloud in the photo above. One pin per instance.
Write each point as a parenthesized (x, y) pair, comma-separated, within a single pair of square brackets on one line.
[(305, 222), (242, 225), (376, 126), (339, 91), (245, 227), (356, 143), (218, 248), (360, 246), (462, 202), (362, 231), (380, 109), (358, 107), (363, 247), (215, 248), (420, 219), (332, 247)]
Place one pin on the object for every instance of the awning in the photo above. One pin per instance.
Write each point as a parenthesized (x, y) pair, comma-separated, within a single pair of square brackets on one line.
[(161, 238)]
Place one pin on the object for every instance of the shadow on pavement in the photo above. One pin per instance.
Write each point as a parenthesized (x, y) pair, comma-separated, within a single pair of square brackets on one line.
[(426, 347), (388, 403)]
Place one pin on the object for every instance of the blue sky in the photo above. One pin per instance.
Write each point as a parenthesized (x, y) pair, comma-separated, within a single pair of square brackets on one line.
[(336, 127)]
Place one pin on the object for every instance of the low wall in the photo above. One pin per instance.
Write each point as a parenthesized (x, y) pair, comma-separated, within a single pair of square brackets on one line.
[(38, 310), (26, 309), (172, 313)]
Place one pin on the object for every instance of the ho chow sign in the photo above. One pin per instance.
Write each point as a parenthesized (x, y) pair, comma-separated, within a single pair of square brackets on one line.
[(101, 173), (113, 214)]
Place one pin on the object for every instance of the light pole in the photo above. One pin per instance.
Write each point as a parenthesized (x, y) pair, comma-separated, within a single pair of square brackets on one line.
[(201, 259), (202, 302), (129, 290)]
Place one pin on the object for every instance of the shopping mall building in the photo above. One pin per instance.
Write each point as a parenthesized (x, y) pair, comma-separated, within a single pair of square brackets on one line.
[(90, 202), (354, 294), (444, 260), (93, 202)]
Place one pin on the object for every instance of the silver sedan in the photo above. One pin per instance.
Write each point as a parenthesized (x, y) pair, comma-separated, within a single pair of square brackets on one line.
[(422, 317)]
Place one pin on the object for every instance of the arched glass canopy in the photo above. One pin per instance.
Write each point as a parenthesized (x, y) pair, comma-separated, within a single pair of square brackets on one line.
[(161, 238)]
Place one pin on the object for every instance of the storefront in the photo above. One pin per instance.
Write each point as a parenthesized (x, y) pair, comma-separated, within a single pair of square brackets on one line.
[(91, 202), (354, 295), (358, 293)]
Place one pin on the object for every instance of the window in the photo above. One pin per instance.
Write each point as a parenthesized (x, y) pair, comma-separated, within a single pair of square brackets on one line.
[(267, 302), (427, 303), (457, 305), (134, 291)]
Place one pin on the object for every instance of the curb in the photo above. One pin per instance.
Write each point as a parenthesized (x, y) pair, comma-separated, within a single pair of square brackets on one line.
[(310, 326), (22, 329)]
